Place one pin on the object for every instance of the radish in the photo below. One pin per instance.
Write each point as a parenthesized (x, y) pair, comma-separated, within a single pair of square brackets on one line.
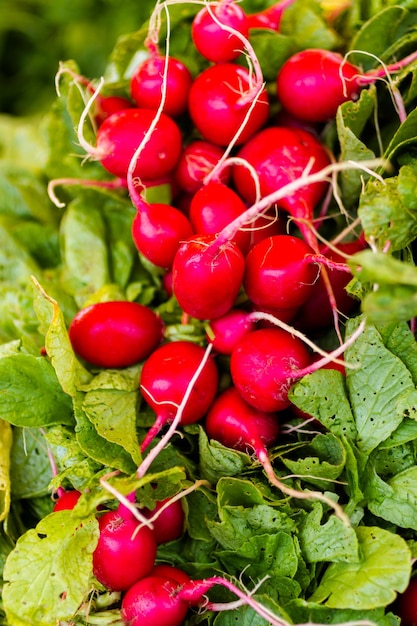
[(211, 31), (225, 331), (107, 105), (165, 377), (270, 17), (206, 278), (168, 520), (313, 83), (154, 601), (157, 231), (279, 273), (268, 224), (125, 551), (151, 81), (197, 160), (66, 499), (116, 333), (224, 102), (264, 364), (121, 134), (215, 205), (170, 571)]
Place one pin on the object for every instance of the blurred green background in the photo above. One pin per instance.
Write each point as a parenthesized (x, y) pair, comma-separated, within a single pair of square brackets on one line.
[(36, 34)]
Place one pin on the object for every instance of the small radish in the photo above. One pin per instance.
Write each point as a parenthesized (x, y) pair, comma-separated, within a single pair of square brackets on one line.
[(270, 17), (313, 83), (206, 278), (158, 230), (107, 105), (212, 27), (165, 377), (115, 334), (197, 160), (170, 571), (168, 524), (67, 500), (154, 601), (224, 332), (213, 207), (264, 366), (147, 84), (219, 101), (268, 224), (279, 273), (125, 552), (120, 135), (236, 424)]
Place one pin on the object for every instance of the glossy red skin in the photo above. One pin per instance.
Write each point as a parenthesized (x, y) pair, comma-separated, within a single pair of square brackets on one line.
[(226, 331), (267, 225), (170, 571), (276, 275), (169, 525), (115, 334), (197, 160), (310, 87), (406, 605), (213, 207), (236, 424), (205, 284), (214, 105), (158, 230), (264, 366), (153, 601), (212, 41), (120, 135), (107, 105), (67, 500), (280, 156), (166, 374), (120, 560), (147, 82)]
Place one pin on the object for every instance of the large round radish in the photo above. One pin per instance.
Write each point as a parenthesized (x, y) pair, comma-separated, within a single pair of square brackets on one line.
[(121, 134), (165, 378), (115, 334), (158, 230), (124, 553), (197, 160), (279, 273), (219, 100), (154, 601), (206, 278), (212, 36), (146, 84), (264, 365)]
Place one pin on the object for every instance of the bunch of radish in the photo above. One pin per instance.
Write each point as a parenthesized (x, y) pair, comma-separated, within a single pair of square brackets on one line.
[(238, 246)]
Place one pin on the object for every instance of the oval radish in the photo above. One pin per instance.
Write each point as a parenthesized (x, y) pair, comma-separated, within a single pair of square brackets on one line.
[(154, 601), (212, 36), (225, 331), (197, 160)]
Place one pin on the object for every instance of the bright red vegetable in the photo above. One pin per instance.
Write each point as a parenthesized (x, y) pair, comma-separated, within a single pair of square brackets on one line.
[(169, 523), (213, 37), (67, 500), (225, 331), (197, 160), (154, 601)]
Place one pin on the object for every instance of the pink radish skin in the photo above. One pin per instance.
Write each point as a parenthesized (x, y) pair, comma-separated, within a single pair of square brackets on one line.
[(219, 102), (158, 230), (154, 601), (123, 554), (277, 274), (115, 334), (206, 278), (107, 105), (197, 160), (266, 225), (146, 85), (269, 18), (121, 134), (169, 523), (224, 332), (264, 365), (165, 377), (170, 571), (215, 43), (213, 207), (236, 424)]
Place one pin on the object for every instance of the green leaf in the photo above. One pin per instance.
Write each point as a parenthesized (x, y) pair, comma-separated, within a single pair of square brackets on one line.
[(382, 570), (216, 460), (30, 465), (394, 500), (48, 573), (6, 438)]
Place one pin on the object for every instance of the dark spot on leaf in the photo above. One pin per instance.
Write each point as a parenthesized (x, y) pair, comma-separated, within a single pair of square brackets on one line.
[(42, 535)]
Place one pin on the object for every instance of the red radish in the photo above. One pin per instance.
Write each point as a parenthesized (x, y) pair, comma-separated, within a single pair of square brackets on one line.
[(121, 134), (147, 84), (220, 98), (406, 604), (212, 31), (158, 230), (213, 207), (269, 17), (279, 273), (206, 278), (236, 424), (125, 552), (170, 571), (264, 365), (308, 75), (165, 376), (168, 524), (67, 500), (197, 160), (268, 224), (154, 601), (281, 155), (115, 334), (107, 105), (224, 332)]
